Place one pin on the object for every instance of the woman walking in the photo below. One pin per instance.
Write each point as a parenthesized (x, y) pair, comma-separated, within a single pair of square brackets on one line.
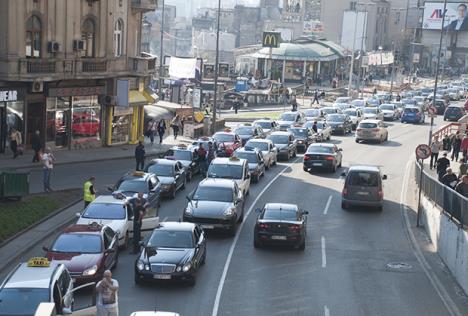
[(176, 125), (161, 130), (150, 130), (15, 142), (456, 146)]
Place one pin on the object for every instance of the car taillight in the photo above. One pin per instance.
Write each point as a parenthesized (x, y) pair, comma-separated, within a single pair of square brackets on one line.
[(264, 226), (359, 130), (295, 228), (375, 130), (344, 192), (381, 194), (306, 157), (329, 158)]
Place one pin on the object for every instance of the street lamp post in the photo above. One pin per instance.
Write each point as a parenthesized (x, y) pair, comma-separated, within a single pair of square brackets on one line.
[(393, 68), (215, 97), (437, 68), (352, 54), (161, 52)]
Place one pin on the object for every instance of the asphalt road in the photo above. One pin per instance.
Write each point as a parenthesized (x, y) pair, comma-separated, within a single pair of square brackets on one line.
[(344, 269)]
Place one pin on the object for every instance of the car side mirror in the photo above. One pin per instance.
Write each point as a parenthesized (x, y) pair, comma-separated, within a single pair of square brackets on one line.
[(67, 311), (45, 248), (78, 214), (110, 189), (258, 210), (340, 149), (305, 212), (384, 177)]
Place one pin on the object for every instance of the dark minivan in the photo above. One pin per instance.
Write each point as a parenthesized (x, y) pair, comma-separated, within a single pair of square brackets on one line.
[(454, 113), (363, 187)]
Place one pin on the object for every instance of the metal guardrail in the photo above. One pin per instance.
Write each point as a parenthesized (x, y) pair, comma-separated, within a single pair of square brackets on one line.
[(453, 204)]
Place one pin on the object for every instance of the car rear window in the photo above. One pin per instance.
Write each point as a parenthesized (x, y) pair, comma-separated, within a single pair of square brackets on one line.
[(453, 110), (320, 149), (411, 110), (367, 125), (363, 179), (276, 214)]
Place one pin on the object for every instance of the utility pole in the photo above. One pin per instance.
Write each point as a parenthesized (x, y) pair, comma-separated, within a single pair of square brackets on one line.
[(437, 69), (161, 51), (352, 54), (215, 97), (393, 68)]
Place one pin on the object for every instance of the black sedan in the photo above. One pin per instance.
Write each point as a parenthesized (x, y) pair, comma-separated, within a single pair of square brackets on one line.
[(303, 136), (186, 156), (170, 173), (340, 123), (285, 143), (322, 156), (173, 251), (280, 223)]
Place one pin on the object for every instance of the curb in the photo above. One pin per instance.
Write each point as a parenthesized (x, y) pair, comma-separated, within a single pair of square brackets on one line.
[(3, 265)]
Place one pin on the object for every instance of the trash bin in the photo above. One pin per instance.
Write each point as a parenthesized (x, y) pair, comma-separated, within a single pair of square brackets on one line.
[(14, 184)]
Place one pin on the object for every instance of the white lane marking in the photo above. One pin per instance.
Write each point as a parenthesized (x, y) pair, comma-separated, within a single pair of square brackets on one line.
[(326, 311), (452, 308), (325, 211), (236, 238), (324, 254)]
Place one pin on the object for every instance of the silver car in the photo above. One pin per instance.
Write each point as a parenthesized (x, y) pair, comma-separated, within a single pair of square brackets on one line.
[(371, 130), (372, 113), (267, 148)]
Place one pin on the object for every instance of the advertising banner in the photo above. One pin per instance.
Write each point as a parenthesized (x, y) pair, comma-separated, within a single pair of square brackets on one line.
[(456, 18), (182, 68)]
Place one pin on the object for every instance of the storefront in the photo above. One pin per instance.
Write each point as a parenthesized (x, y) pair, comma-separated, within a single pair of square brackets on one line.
[(12, 113), (73, 117)]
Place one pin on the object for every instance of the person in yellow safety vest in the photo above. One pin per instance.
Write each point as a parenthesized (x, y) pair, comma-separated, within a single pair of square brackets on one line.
[(89, 193)]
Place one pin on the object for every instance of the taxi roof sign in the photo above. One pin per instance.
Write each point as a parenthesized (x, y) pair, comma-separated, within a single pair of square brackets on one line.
[(233, 158), (138, 173), (38, 262)]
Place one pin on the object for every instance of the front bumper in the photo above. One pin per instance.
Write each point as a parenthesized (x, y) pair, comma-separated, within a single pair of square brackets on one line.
[(167, 191), (283, 154), (212, 223), (147, 275)]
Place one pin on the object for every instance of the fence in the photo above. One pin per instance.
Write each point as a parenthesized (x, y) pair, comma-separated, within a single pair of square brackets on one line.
[(453, 204)]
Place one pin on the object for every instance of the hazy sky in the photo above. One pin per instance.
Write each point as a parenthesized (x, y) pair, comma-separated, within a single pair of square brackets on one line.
[(184, 10)]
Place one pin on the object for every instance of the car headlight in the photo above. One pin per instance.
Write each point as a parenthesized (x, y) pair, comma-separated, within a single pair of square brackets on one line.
[(229, 212), (178, 269), (188, 210), (140, 265), (90, 271), (186, 267)]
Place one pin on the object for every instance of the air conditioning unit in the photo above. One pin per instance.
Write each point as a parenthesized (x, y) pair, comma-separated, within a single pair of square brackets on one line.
[(37, 86), (78, 45), (53, 47)]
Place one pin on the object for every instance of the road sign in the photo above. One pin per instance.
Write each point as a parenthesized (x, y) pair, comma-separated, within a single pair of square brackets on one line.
[(423, 151), (432, 110)]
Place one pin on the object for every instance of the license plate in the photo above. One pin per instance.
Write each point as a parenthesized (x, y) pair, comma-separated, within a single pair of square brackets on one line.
[(362, 193), (162, 276), (208, 226), (278, 237), (317, 164)]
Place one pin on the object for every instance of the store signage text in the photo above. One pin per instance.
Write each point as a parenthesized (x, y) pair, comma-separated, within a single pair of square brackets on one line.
[(8, 96), (76, 91)]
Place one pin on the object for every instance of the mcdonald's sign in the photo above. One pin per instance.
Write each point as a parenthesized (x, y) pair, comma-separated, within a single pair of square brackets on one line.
[(271, 39)]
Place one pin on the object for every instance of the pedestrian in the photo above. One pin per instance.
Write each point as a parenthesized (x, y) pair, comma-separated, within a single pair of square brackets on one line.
[(107, 303), (175, 124), (398, 98), (314, 127), (316, 97), (182, 123), (140, 206), (293, 103), (374, 92), (436, 145), (150, 130), (140, 154), (161, 129), (201, 154), (449, 178), (211, 153), (36, 146), (456, 146), (463, 169), (15, 142), (236, 105), (441, 165), (447, 143), (89, 193), (462, 186), (48, 161)]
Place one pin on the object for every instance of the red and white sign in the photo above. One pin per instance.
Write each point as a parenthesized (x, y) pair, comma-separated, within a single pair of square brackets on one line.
[(432, 110), (423, 151)]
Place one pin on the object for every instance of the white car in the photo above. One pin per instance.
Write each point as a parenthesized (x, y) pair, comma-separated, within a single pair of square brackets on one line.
[(355, 115), (268, 149), (343, 100), (390, 111), (231, 168), (359, 103), (117, 213), (324, 130)]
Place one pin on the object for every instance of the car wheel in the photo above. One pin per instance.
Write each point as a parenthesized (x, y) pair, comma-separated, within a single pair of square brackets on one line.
[(189, 176), (329, 137), (295, 154), (257, 243), (127, 237), (344, 206), (302, 245), (379, 208), (386, 137), (381, 140), (356, 140), (276, 161), (305, 169), (333, 169), (241, 217), (203, 260)]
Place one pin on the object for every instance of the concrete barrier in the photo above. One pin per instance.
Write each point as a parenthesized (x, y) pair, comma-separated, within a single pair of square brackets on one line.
[(450, 241)]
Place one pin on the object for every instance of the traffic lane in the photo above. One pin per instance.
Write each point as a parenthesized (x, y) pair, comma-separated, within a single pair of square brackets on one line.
[(177, 296)]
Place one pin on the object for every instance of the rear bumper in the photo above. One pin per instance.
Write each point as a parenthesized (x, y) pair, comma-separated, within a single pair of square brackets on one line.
[(272, 238), (312, 164), (367, 137), (362, 203)]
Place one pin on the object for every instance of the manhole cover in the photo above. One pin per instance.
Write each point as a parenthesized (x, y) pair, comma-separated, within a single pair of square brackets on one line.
[(399, 265)]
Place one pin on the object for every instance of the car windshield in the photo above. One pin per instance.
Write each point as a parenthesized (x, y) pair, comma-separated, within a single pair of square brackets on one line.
[(408, 101), (370, 110), (329, 110), (320, 125), (77, 243), (373, 101), (279, 139), (259, 145), (161, 170), (358, 102), (288, 117), (387, 107), (133, 186), (22, 301), (170, 239), (336, 118), (182, 155), (454, 110), (245, 130), (342, 100), (411, 110), (218, 194), (224, 138), (320, 149), (363, 179), (104, 211), (367, 125), (225, 171), (251, 157), (312, 113), (264, 125), (276, 214), (350, 112), (299, 132)]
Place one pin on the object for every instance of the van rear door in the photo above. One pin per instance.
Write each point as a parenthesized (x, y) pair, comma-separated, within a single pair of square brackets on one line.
[(364, 186)]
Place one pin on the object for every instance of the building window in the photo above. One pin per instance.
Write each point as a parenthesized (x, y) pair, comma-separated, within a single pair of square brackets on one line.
[(88, 35), (33, 37), (118, 38)]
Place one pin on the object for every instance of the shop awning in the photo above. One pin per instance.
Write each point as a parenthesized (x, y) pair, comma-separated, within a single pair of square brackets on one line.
[(139, 98)]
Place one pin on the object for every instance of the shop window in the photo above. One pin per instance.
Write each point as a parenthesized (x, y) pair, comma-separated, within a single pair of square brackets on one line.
[(88, 35), (293, 70), (86, 121), (118, 38), (33, 37), (121, 125), (58, 122), (11, 114)]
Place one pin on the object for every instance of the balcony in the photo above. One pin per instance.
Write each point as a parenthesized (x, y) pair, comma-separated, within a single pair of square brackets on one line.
[(144, 5), (94, 66), (40, 66)]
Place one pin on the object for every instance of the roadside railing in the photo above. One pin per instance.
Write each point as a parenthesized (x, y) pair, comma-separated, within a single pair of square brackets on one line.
[(453, 204), (448, 129)]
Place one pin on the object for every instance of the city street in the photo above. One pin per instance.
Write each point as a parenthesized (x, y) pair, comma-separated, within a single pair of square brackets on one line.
[(357, 262)]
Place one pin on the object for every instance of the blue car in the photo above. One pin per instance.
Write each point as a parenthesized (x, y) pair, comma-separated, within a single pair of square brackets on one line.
[(413, 115)]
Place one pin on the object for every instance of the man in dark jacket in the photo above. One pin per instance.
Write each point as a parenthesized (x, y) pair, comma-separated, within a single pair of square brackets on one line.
[(462, 186), (140, 156), (442, 164), (449, 179), (36, 146)]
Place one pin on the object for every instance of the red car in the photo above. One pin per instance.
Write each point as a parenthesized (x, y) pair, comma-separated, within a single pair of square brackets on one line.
[(86, 250), (86, 126), (228, 142)]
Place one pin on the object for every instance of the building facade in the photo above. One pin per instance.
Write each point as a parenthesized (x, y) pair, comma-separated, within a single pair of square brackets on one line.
[(61, 63)]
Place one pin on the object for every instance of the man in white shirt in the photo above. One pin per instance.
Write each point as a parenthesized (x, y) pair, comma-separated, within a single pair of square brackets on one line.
[(107, 296), (436, 145), (48, 160)]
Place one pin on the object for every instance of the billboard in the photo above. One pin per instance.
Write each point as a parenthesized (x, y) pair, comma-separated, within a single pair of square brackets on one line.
[(456, 18), (271, 39), (348, 30)]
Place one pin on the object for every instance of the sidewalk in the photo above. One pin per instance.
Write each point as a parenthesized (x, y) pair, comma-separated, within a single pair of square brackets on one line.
[(64, 156)]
